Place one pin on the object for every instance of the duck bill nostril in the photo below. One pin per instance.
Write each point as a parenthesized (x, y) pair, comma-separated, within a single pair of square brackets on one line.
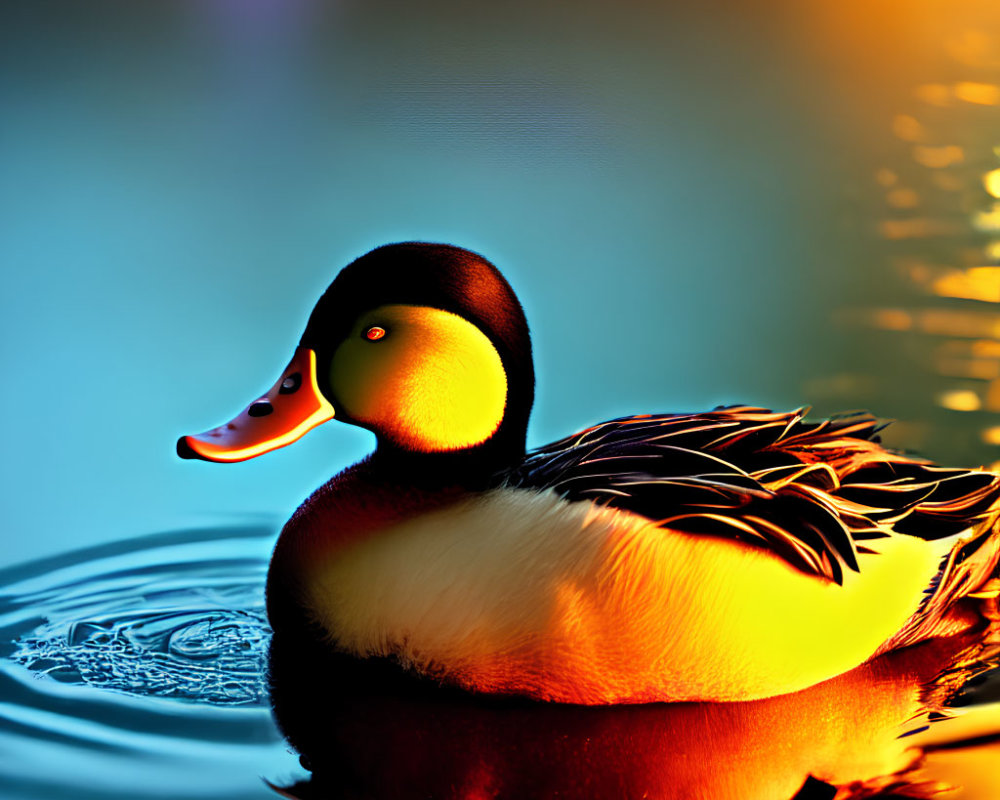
[(292, 407), (260, 408)]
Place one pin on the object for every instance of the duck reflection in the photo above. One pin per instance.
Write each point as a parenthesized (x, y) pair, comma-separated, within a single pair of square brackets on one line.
[(374, 734)]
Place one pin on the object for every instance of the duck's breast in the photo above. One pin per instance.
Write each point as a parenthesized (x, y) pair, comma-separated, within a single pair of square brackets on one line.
[(519, 591)]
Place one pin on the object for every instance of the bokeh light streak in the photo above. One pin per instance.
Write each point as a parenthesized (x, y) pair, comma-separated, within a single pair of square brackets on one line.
[(938, 157), (903, 198), (985, 94), (908, 128), (987, 220), (991, 182), (960, 400), (992, 435), (977, 283), (978, 369)]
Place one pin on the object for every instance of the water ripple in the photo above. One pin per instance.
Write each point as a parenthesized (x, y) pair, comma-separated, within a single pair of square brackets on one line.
[(137, 669), (191, 628)]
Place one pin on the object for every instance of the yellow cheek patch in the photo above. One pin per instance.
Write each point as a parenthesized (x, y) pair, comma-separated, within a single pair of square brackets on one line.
[(432, 382)]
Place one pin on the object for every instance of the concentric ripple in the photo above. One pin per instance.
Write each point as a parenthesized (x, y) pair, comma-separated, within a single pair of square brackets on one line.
[(189, 625), (137, 669)]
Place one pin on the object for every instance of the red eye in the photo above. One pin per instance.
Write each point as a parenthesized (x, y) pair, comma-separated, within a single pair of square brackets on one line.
[(374, 333)]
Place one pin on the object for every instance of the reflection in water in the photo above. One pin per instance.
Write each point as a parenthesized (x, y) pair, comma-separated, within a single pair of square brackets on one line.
[(938, 218), (858, 735)]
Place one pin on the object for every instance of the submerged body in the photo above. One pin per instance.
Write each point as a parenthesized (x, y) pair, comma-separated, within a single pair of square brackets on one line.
[(728, 555)]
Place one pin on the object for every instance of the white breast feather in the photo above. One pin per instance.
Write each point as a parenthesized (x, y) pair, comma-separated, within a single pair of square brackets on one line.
[(519, 591)]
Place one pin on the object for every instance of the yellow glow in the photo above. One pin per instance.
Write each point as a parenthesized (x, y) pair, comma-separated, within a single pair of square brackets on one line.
[(992, 251), (938, 157), (987, 220), (974, 49), (902, 198), (915, 228), (991, 182), (907, 128), (918, 271), (984, 348), (964, 324), (935, 94), (960, 400), (893, 319), (886, 177), (992, 435), (946, 181), (976, 283), (993, 394), (977, 368), (984, 94)]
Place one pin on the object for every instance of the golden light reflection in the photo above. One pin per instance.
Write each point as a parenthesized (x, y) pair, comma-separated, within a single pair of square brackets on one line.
[(908, 128), (902, 198), (918, 271), (987, 220), (980, 348), (938, 157), (983, 94), (977, 283), (893, 319), (977, 369), (857, 735), (986, 349), (960, 400), (974, 48), (886, 177), (934, 321), (916, 228), (992, 435), (964, 324), (946, 181), (991, 182), (934, 94), (973, 92), (935, 205)]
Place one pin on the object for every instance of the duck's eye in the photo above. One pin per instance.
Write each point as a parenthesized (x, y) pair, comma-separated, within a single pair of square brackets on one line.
[(374, 333)]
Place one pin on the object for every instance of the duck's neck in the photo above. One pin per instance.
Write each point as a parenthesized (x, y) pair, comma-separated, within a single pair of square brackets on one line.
[(473, 469), (383, 490)]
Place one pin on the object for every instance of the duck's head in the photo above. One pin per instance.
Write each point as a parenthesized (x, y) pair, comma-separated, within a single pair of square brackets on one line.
[(425, 345)]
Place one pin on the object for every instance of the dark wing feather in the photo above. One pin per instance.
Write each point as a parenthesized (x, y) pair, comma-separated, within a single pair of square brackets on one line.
[(811, 492)]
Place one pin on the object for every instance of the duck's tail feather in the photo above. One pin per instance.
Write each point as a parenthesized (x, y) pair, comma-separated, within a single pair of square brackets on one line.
[(965, 593)]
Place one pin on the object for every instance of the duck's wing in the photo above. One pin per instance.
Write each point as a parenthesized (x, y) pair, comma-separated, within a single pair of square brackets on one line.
[(811, 492)]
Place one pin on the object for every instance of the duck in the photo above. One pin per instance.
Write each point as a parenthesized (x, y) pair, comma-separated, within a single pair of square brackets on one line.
[(725, 555)]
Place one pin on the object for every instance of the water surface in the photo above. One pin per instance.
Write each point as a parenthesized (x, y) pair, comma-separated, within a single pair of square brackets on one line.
[(137, 669)]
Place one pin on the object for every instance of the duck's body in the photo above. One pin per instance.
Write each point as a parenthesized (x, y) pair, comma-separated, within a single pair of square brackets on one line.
[(719, 556)]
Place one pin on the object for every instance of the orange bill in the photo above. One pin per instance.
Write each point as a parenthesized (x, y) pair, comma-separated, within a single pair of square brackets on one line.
[(293, 406)]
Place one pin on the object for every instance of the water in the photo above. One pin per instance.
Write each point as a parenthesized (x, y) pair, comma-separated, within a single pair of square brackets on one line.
[(137, 670)]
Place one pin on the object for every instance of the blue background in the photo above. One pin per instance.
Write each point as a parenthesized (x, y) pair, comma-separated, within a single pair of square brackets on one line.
[(674, 192)]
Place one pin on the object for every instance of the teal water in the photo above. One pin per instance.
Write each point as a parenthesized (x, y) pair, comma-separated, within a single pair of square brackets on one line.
[(137, 670)]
